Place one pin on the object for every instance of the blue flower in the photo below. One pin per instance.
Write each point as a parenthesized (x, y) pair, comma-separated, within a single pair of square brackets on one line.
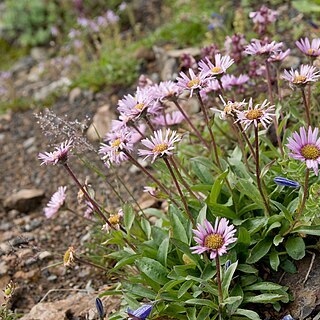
[(141, 313), (288, 317), (286, 182), (227, 265), (99, 307)]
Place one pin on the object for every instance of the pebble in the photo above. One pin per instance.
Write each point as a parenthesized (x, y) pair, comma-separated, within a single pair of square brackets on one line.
[(29, 142), (45, 255), (34, 224), (52, 278)]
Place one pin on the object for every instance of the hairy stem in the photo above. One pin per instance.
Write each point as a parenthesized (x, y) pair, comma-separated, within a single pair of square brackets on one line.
[(180, 191), (306, 105), (256, 133)]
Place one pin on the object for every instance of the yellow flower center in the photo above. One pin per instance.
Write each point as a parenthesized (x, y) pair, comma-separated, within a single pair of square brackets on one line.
[(310, 151), (254, 114), (299, 79), (139, 106), (311, 51), (160, 147), (68, 257), (193, 82), (216, 69), (116, 143), (114, 219), (214, 241)]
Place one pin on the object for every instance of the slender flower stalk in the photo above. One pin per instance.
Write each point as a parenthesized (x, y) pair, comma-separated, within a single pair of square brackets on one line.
[(246, 139), (183, 199), (219, 280), (275, 121), (198, 134), (256, 135), (305, 195), (306, 106), (172, 161), (206, 118), (94, 204), (153, 178)]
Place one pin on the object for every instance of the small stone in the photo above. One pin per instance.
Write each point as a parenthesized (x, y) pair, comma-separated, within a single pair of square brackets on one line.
[(61, 84), (3, 268), (24, 200), (52, 278), (5, 226), (101, 123), (74, 94), (34, 224), (45, 255), (38, 53), (168, 71), (29, 142)]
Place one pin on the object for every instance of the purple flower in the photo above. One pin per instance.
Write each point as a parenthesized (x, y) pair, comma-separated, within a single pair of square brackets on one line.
[(300, 78), (118, 142), (56, 202), (214, 239), (256, 47), (59, 155), (159, 145), (284, 182), (279, 56), (112, 17), (191, 83), (135, 106), (140, 314), (219, 67), (166, 90), (310, 49), (306, 147), (230, 108), (99, 307), (260, 113), (169, 119)]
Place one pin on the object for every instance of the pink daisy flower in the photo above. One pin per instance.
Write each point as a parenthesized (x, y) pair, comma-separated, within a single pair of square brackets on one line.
[(191, 83), (309, 49), (214, 239), (300, 78), (230, 108), (169, 119), (279, 56), (166, 90), (59, 155), (118, 142), (256, 47), (56, 202), (220, 66), (159, 145), (133, 107), (306, 147), (260, 113)]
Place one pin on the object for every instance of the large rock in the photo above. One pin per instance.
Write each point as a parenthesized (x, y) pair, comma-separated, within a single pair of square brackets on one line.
[(101, 123), (24, 200), (59, 85)]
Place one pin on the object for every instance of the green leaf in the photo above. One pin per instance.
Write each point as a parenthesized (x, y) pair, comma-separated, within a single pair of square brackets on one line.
[(274, 260), (244, 236), (140, 291), (153, 269), (201, 171), (246, 268), (263, 286), (179, 231), (248, 313), (295, 247), (248, 188), (202, 302), (145, 224), (185, 287), (277, 240), (259, 250), (186, 250), (163, 252), (204, 313), (288, 266), (216, 188), (191, 313), (283, 209), (202, 214), (311, 230), (125, 261), (223, 211), (128, 215), (263, 298), (227, 277)]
